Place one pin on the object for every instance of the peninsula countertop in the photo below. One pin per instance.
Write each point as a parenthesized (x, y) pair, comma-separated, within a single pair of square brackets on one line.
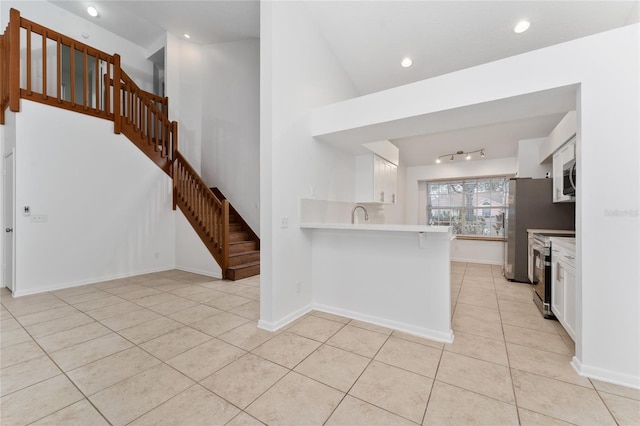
[(377, 227)]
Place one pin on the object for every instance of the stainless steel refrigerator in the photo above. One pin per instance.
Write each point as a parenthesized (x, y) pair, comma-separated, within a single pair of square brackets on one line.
[(531, 206)]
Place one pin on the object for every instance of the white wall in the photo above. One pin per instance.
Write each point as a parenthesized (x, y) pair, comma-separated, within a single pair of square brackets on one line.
[(527, 161), (7, 144), (191, 253), (606, 66), (133, 58), (108, 206), (298, 72), (184, 79), (231, 124), (476, 251)]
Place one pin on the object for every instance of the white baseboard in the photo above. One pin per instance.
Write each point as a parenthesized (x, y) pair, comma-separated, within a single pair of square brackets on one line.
[(480, 261), (200, 272), (407, 328), (277, 325), (62, 286), (605, 375)]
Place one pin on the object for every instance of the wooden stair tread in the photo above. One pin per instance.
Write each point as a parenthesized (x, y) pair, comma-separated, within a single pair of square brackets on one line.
[(242, 271), (244, 253), (244, 265)]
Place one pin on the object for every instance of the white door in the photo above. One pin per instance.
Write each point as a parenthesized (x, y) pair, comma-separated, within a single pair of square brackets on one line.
[(8, 202)]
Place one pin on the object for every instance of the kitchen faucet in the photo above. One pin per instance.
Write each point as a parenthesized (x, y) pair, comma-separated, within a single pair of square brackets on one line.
[(353, 213)]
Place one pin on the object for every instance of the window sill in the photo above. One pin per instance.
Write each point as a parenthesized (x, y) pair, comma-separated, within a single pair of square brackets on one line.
[(480, 238)]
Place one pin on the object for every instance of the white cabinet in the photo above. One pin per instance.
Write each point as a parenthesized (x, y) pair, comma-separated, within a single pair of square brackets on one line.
[(563, 285), (565, 154), (376, 179)]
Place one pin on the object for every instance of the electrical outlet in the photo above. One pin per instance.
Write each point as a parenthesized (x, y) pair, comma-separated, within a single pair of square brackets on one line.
[(284, 222), (39, 218)]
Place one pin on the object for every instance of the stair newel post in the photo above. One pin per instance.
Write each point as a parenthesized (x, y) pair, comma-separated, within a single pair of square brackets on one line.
[(225, 236), (174, 161), (14, 60), (117, 75)]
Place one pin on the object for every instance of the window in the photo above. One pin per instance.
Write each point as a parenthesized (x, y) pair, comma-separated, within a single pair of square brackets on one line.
[(470, 206)]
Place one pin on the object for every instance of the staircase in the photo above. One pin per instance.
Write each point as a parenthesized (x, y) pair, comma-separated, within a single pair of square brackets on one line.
[(100, 88), (244, 245)]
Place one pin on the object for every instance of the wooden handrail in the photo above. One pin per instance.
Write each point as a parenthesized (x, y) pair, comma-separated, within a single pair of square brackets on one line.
[(208, 215)]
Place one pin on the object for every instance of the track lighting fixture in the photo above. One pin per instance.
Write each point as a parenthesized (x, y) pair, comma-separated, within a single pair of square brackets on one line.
[(467, 155)]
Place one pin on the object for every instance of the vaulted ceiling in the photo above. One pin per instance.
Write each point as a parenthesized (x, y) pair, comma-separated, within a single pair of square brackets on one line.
[(370, 38)]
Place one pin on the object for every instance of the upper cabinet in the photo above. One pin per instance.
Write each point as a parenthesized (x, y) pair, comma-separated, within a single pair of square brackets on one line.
[(376, 179), (377, 173), (562, 156)]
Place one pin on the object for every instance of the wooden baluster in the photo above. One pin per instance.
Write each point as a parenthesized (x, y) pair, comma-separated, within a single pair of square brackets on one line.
[(149, 126), (45, 95), (85, 78), (59, 68), (174, 130), (117, 120), (29, 59), (199, 202), (143, 118), (165, 134), (14, 60), (96, 90), (174, 185), (225, 235), (72, 50), (107, 89), (135, 103), (211, 218), (130, 107), (212, 221), (140, 114)]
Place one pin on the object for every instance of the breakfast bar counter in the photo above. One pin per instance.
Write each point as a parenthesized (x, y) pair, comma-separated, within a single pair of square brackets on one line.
[(396, 276)]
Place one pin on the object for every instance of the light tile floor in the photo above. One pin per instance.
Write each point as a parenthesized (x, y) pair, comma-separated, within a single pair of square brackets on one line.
[(179, 348)]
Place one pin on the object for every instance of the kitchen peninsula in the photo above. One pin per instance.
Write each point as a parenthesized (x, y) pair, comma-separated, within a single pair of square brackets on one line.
[(396, 276)]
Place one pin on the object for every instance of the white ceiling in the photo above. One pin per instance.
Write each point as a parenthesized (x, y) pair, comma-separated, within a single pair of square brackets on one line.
[(143, 21), (370, 38)]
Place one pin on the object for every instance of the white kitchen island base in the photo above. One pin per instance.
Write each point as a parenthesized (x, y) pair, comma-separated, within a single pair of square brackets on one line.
[(392, 275)]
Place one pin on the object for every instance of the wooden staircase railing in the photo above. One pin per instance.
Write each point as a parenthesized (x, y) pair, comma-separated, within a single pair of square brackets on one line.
[(43, 79), (95, 84), (208, 215), (143, 119)]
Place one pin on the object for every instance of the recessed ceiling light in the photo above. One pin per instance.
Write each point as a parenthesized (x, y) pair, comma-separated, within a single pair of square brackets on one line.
[(186, 35), (521, 27), (406, 62), (92, 11)]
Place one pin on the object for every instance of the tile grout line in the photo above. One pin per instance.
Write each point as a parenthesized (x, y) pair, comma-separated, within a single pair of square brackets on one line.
[(67, 377), (509, 369)]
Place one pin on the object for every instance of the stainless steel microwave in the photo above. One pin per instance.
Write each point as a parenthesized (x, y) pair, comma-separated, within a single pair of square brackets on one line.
[(569, 178)]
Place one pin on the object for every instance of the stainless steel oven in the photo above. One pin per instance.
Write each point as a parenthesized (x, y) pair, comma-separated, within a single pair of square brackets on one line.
[(542, 273), (541, 248)]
